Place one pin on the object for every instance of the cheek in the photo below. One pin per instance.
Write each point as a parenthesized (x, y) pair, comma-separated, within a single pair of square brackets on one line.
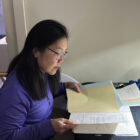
[(46, 65)]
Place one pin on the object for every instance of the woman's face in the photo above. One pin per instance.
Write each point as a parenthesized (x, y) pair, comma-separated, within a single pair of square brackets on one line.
[(51, 59)]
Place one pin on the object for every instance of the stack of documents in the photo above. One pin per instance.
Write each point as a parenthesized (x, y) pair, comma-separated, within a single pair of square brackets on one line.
[(129, 95), (97, 111)]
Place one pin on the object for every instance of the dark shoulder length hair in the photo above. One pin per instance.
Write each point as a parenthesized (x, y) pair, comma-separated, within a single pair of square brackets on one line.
[(41, 36)]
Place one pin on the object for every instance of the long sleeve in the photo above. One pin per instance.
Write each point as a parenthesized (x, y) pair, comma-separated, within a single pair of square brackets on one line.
[(61, 91), (14, 108)]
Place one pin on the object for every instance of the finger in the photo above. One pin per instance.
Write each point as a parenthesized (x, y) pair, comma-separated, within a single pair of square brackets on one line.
[(77, 87), (66, 124), (69, 126), (66, 121)]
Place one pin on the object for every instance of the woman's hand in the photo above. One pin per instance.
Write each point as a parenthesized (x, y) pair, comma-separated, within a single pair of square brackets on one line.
[(61, 125), (73, 85)]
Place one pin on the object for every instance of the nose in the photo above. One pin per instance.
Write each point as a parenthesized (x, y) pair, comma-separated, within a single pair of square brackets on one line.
[(61, 60)]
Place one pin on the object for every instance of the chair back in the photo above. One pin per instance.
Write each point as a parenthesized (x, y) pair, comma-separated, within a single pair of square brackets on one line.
[(3, 76)]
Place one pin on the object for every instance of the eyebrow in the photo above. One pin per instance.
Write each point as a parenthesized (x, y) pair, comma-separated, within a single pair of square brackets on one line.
[(59, 48)]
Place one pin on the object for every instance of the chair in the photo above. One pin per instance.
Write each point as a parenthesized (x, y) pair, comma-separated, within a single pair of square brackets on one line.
[(67, 78), (2, 78)]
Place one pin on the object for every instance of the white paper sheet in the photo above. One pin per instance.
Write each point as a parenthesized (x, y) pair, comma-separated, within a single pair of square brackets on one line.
[(98, 118), (120, 129), (129, 92), (128, 128)]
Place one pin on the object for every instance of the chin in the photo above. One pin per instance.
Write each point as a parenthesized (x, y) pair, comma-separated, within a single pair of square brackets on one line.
[(52, 73)]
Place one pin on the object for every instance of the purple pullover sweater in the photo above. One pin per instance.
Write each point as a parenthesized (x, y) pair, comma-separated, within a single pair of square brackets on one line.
[(22, 118)]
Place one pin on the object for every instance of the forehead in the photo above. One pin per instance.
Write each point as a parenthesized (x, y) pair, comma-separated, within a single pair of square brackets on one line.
[(60, 44)]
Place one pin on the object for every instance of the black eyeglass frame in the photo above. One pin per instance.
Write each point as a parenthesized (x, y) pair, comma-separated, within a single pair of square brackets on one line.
[(58, 54)]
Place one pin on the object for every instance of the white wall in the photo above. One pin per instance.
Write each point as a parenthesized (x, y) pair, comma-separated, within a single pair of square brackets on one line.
[(104, 36), (3, 58)]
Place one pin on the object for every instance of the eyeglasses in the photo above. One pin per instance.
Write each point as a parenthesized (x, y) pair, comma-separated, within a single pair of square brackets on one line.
[(59, 55)]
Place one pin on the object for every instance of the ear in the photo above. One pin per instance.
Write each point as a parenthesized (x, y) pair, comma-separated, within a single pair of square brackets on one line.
[(36, 53)]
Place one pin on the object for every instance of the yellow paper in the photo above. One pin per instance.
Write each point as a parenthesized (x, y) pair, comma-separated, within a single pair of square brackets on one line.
[(130, 101), (97, 99)]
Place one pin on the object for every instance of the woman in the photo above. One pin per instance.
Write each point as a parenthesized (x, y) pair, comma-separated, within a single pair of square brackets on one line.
[(26, 98)]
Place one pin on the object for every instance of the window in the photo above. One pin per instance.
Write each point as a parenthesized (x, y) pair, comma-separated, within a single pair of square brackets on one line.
[(3, 39)]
